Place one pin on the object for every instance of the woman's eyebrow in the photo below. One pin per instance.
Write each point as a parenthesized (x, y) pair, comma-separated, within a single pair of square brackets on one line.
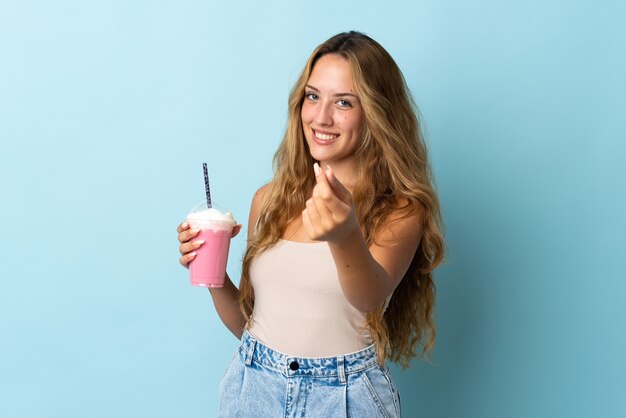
[(335, 95)]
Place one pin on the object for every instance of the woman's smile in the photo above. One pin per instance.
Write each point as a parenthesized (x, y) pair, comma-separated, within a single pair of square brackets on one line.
[(324, 138)]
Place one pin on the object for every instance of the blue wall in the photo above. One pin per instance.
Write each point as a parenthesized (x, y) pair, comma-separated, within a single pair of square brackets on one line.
[(108, 108)]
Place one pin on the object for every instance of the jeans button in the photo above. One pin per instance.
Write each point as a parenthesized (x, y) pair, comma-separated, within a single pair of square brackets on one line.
[(294, 365)]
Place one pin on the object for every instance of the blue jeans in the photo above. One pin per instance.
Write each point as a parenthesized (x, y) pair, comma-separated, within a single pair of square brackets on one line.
[(261, 382)]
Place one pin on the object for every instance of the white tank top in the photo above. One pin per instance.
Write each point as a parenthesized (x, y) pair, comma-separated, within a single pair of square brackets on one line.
[(299, 308)]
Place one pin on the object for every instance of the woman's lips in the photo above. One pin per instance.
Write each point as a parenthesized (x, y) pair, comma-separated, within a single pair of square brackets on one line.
[(324, 138)]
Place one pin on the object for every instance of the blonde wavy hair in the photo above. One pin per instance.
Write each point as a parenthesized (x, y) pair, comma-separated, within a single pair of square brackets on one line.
[(393, 173)]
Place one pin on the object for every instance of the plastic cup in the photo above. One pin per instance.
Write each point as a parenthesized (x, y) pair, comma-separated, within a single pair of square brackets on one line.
[(208, 268)]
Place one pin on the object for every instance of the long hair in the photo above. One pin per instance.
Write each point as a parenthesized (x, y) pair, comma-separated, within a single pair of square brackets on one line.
[(392, 173)]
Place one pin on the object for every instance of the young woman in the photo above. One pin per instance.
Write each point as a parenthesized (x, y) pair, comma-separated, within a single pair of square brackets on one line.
[(342, 243)]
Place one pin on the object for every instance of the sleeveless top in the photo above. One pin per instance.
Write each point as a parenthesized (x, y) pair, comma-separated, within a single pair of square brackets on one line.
[(299, 308)]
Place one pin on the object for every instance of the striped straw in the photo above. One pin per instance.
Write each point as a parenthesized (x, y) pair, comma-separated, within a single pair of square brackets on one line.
[(206, 185)]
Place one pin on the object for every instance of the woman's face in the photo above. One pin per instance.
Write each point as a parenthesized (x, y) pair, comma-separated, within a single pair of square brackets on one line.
[(332, 115)]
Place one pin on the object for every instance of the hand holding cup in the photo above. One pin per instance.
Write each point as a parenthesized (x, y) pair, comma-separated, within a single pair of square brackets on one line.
[(188, 246)]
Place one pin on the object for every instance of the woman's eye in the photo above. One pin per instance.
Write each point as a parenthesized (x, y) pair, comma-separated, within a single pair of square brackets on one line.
[(344, 103), (311, 96)]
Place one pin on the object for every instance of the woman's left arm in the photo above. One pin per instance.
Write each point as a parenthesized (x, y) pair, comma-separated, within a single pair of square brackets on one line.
[(367, 275)]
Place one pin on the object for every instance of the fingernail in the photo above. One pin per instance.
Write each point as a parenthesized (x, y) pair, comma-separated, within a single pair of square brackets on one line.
[(200, 242), (192, 255), (194, 231), (185, 225), (316, 168)]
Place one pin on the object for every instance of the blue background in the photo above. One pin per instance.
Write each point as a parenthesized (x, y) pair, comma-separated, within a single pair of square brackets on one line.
[(108, 109)]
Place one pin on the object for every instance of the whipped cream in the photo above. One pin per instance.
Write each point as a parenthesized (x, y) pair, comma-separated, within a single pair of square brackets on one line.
[(211, 214)]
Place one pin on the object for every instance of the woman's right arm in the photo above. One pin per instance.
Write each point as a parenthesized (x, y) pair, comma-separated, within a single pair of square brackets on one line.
[(226, 298)]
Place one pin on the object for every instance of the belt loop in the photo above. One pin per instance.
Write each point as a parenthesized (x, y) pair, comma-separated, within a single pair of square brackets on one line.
[(250, 351), (341, 370)]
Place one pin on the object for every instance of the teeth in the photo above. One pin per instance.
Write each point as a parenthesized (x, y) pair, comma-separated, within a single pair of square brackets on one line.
[(325, 137)]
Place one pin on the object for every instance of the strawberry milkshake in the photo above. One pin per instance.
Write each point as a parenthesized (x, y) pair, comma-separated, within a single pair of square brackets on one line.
[(208, 268)]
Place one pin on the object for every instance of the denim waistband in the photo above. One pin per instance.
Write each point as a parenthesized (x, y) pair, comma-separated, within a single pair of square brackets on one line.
[(335, 366)]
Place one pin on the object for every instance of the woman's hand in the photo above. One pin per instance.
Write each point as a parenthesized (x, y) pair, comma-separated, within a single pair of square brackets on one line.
[(188, 247), (329, 213)]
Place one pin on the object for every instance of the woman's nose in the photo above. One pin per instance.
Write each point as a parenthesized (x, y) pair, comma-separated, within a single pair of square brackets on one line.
[(324, 115)]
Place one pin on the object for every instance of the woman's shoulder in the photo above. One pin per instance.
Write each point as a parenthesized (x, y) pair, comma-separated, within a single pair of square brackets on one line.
[(261, 193), (256, 206), (403, 214)]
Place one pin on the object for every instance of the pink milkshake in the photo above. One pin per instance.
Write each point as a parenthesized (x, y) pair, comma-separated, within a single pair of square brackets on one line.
[(208, 268)]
